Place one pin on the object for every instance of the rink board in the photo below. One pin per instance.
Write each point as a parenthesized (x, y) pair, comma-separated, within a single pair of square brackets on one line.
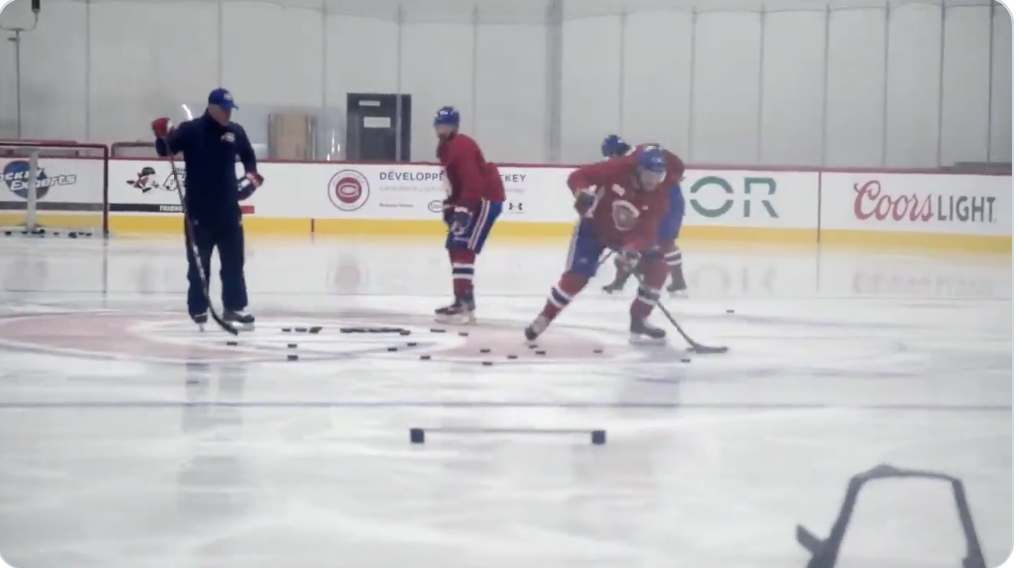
[(856, 208), (559, 231), (55, 220), (878, 240), (125, 224)]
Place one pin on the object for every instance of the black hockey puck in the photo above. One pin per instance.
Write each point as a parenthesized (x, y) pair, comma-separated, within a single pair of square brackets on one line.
[(291, 345), (532, 346), (425, 357), (287, 330), (729, 311), (231, 343), (291, 357), (512, 357), (392, 349), (487, 363), (599, 351), (416, 435), (300, 329), (404, 332), (436, 330), (685, 360), (464, 334), (485, 350), (411, 344), (598, 437), (540, 352), (315, 329)]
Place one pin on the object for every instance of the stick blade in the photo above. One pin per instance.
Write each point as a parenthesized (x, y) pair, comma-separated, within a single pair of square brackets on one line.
[(709, 350), (808, 540), (226, 327)]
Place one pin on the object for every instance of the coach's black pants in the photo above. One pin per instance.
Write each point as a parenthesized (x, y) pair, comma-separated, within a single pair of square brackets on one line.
[(228, 237)]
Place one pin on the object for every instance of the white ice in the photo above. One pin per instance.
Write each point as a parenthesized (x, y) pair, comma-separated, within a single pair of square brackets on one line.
[(839, 361)]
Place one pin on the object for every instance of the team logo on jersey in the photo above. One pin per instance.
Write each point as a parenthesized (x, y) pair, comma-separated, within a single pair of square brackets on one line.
[(625, 215), (229, 138), (348, 190)]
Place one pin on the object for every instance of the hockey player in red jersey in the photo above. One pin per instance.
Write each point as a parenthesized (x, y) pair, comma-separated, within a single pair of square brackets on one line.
[(621, 204), (470, 210), (615, 147)]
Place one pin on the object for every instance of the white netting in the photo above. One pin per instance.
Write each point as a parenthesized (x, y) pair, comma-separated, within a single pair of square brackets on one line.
[(52, 188)]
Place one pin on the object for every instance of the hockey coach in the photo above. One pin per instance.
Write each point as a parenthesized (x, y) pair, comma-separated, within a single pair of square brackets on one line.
[(211, 145)]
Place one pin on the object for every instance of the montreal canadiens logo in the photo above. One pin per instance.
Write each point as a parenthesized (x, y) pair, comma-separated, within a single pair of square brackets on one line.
[(625, 215), (348, 190), (435, 206)]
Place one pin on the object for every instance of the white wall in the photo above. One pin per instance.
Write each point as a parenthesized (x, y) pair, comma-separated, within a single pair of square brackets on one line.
[(865, 83)]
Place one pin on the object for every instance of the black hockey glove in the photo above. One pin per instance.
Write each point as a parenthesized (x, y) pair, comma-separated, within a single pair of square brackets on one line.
[(248, 184), (585, 200)]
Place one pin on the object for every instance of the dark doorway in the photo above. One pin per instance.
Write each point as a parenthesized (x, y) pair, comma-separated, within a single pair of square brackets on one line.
[(372, 128)]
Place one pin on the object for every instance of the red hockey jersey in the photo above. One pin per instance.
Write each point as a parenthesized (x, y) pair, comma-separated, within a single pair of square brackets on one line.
[(624, 216), (469, 176)]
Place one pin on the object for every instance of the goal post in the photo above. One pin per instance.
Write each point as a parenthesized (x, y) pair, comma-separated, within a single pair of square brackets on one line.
[(54, 188), (824, 551)]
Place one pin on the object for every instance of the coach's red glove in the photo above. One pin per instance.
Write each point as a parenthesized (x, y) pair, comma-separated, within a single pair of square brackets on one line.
[(161, 127)]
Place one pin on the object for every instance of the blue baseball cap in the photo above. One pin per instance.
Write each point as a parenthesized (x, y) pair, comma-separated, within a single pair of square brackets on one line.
[(221, 97)]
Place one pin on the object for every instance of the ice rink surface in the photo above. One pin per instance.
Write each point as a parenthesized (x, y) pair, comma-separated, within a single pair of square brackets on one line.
[(129, 439)]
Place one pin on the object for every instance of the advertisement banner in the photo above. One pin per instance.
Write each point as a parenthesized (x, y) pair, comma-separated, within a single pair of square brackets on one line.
[(920, 203), (533, 194), (734, 198), (62, 185), (411, 192), (147, 187)]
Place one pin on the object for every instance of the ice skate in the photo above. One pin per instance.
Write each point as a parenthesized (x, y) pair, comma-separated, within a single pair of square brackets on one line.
[(460, 312), (678, 286), (200, 320), (239, 319), (617, 285), (677, 289), (535, 329), (642, 332)]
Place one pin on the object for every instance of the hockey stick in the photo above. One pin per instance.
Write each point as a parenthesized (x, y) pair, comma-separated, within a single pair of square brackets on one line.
[(193, 248), (693, 344)]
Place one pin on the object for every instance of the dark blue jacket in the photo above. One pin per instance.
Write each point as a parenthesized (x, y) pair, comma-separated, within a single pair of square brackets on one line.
[(210, 156)]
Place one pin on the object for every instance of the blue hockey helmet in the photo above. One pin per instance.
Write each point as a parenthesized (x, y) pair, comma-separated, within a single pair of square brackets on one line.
[(652, 160), (614, 146), (651, 167), (447, 115)]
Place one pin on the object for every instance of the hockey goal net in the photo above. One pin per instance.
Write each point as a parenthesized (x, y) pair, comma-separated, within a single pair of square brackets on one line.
[(139, 149), (53, 187)]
